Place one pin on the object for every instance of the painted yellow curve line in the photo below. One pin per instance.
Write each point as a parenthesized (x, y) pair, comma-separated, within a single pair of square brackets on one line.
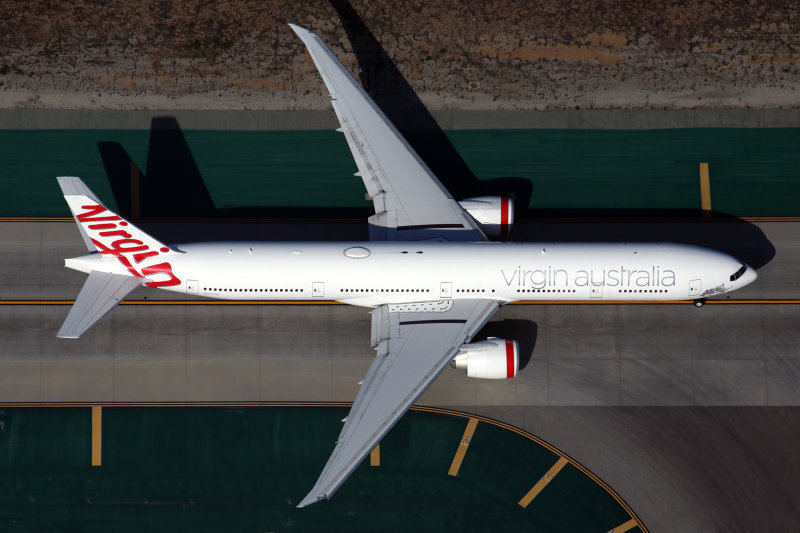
[(418, 408)]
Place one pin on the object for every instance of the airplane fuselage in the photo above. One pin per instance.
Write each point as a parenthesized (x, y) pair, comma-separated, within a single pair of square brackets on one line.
[(374, 273)]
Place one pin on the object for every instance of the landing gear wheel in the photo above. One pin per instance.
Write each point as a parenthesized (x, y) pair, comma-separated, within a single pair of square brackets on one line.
[(700, 303)]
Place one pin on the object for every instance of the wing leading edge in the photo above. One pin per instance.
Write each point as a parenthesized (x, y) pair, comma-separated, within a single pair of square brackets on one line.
[(413, 349), (410, 202)]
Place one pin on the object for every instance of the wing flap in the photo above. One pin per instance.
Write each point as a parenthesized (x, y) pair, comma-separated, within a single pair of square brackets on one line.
[(413, 349), (99, 295)]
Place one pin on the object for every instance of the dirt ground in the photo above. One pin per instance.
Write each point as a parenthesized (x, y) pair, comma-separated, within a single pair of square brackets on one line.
[(495, 54)]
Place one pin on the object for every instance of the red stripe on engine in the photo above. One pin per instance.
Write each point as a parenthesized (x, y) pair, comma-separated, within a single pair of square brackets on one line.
[(509, 359), (504, 216)]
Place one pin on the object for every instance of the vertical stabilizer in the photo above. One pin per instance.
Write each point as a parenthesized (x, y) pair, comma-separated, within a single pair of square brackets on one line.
[(99, 226), (109, 234)]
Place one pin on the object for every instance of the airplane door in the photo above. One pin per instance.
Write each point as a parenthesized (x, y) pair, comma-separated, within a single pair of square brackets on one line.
[(694, 287), (597, 291), (192, 286), (446, 290), (317, 289)]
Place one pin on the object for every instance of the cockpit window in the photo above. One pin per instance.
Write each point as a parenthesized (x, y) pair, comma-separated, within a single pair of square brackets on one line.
[(738, 274)]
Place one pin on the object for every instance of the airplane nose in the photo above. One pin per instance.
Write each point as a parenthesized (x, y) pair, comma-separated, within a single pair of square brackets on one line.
[(749, 276)]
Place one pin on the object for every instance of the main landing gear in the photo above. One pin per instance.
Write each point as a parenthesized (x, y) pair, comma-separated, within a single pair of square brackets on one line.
[(700, 303)]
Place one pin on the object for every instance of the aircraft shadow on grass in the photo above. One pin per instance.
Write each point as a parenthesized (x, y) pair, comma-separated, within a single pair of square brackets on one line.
[(173, 188)]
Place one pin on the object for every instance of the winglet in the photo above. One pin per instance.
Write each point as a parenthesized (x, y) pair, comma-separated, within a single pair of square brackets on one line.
[(298, 29), (302, 32)]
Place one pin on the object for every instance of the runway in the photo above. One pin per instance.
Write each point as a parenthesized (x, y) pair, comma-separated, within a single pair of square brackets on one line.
[(690, 414), (572, 355)]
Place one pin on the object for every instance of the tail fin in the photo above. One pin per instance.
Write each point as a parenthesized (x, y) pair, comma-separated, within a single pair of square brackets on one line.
[(98, 225), (106, 232)]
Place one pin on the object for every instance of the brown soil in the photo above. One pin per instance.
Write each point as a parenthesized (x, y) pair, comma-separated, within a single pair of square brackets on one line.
[(496, 54)]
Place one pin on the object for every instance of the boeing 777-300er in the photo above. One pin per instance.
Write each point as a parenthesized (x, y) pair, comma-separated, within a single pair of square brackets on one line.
[(429, 272)]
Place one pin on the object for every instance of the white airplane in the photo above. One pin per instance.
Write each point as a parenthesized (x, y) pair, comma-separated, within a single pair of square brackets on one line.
[(429, 272)]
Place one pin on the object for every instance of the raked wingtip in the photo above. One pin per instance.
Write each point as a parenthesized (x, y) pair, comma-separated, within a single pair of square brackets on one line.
[(298, 29), (312, 497)]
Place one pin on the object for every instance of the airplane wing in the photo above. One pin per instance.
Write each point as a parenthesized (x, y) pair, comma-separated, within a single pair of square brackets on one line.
[(101, 292), (410, 202), (413, 349)]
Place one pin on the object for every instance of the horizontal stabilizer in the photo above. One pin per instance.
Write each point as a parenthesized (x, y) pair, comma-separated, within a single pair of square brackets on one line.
[(101, 292)]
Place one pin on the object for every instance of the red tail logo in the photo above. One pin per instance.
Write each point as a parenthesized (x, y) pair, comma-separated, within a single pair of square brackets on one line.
[(125, 248)]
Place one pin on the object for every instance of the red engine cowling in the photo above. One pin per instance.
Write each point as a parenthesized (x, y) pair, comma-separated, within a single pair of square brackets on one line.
[(495, 214), (490, 359)]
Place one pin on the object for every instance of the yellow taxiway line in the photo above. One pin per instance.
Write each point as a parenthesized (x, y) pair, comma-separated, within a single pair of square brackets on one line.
[(417, 408), (462, 447), (97, 435), (542, 483), (627, 526), (375, 456), (705, 189), (327, 302)]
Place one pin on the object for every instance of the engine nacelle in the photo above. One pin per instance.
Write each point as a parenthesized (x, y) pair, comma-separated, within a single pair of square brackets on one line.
[(490, 359), (495, 214)]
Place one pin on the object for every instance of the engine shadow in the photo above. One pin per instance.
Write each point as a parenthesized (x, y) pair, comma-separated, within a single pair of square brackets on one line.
[(524, 332)]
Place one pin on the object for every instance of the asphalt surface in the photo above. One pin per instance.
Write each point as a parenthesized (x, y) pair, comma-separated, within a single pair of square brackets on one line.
[(690, 414)]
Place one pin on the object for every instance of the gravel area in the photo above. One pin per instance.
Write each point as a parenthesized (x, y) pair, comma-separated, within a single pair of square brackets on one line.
[(496, 54)]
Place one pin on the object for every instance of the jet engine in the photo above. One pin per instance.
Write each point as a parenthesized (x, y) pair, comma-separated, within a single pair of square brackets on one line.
[(495, 214), (490, 359)]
